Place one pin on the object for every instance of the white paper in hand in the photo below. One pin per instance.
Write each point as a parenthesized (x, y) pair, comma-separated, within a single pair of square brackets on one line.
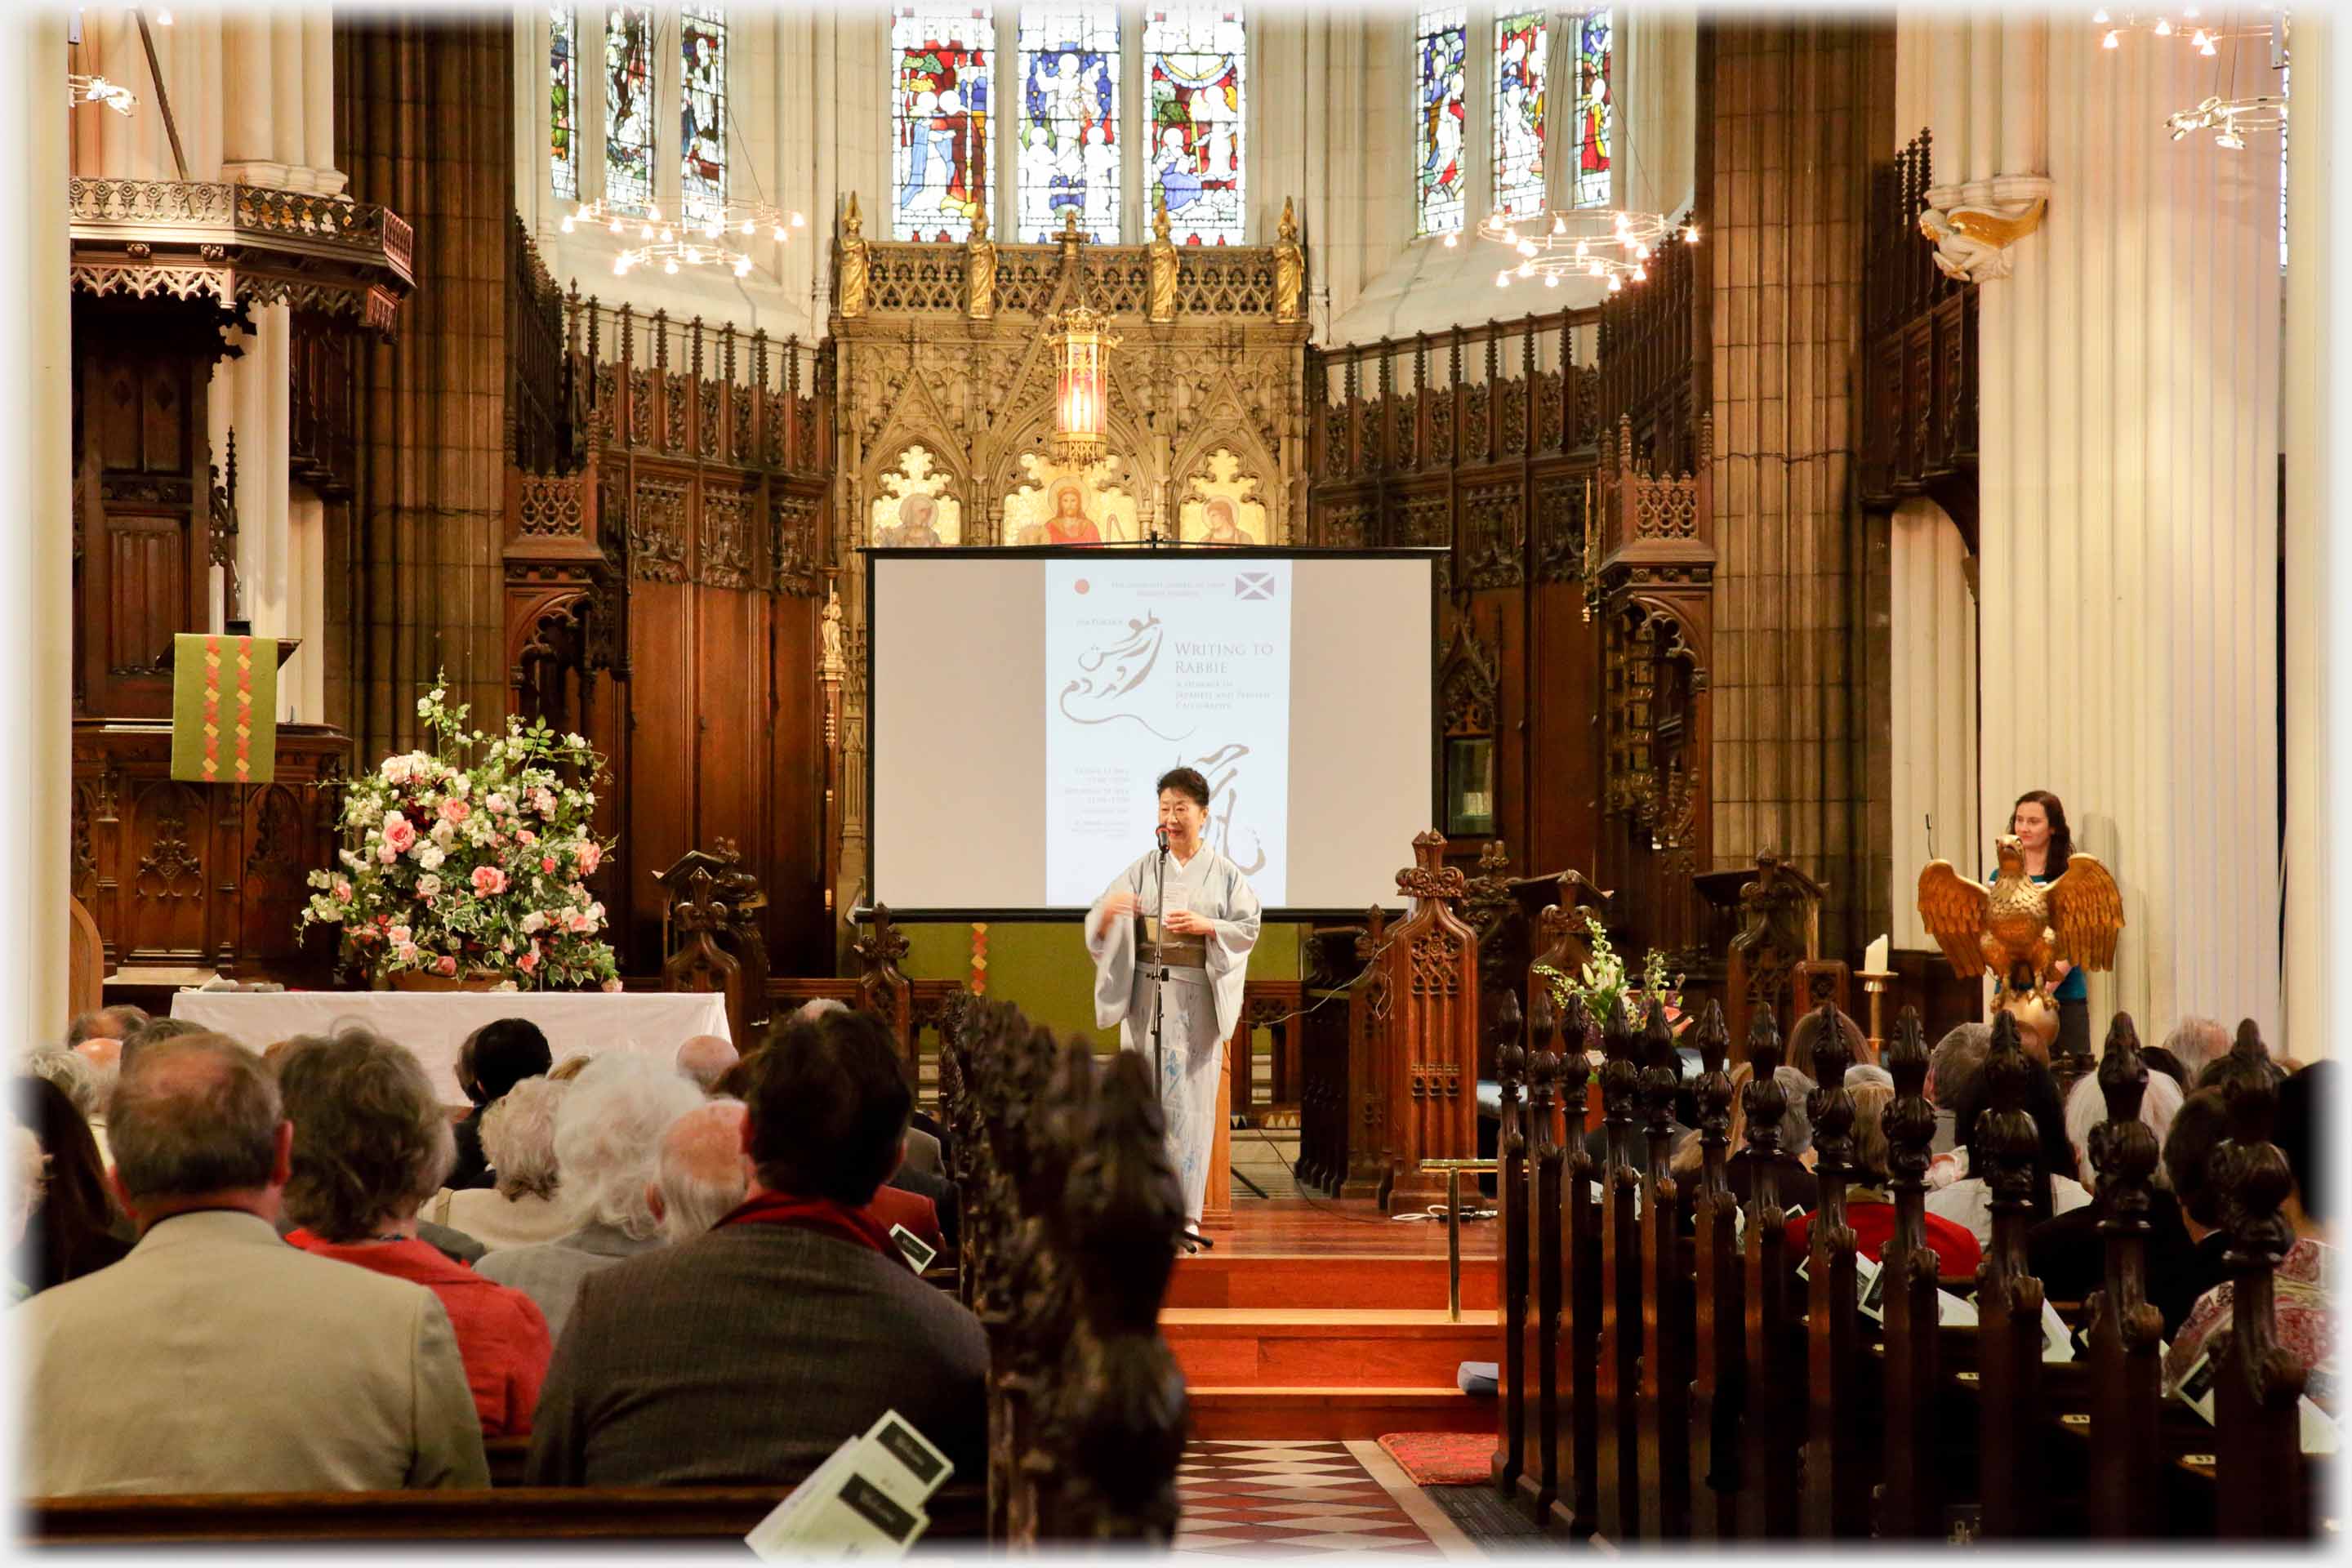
[(865, 1501)]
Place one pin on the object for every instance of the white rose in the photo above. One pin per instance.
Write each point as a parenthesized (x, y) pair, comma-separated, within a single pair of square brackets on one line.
[(532, 923), (431, 856), (574, 740), (443, 832), (429, 886), (460, 786), (498, 803)]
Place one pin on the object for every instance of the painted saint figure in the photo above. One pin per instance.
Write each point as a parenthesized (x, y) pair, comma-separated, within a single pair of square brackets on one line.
[(1202, 948), (913, 530), (1225, 522), (1070, 524)]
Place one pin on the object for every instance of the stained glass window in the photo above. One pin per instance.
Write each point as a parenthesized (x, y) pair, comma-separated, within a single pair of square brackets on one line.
[(702, 121), (1069, 121), (1520, 40), (1596, 113), (1196, 59), (629, 108), (940, 118), (564, 98), (1440, 40)]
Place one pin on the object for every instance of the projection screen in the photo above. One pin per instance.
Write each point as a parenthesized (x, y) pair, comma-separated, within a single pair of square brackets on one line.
[(1021, 703)]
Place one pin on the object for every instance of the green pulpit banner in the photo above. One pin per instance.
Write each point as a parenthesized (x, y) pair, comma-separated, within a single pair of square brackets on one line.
[(224, 709)]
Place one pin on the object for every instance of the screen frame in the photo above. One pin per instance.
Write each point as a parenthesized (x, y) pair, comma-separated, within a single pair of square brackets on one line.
[(861, 914)]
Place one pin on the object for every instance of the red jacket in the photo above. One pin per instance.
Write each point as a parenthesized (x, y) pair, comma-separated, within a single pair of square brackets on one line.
[(501, 1333), (1873, 1225), (895, 1205)]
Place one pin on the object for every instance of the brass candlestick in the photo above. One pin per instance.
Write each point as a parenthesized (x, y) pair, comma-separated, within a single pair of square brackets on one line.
[(1876, 981)]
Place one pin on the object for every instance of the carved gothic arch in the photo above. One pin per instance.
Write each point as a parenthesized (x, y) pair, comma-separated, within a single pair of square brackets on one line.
[(554, 668)]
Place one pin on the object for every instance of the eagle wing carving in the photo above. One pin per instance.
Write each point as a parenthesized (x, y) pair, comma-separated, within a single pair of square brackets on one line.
[(1953, 909), (2086, 911)]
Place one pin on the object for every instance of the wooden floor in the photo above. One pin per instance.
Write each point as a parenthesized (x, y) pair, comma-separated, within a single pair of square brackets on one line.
[(1313, 1318)]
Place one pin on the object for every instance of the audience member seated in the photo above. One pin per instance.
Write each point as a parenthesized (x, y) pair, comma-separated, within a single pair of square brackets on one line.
[(1796, 1187), (85, 1083), (494, 1058), (1952, 1065), (2177, 1279), (2066, 1253), (114, 1025), (745, 1356), (371, 1144), (29, 1169), (526, 1204), (1807, 1029), (1968, 1201), (2307, 1280), (2198, 1044), (153, 1032), (701, 1173), (2160, 1060), (705, 1059), (215, 1358), (2220, 1072), (608, 1131), (1865, 1072), (1870, 1203), (76, 1229)]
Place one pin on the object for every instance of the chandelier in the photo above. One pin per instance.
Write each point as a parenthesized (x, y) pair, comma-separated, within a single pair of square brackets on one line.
[(81, 90), (1585, 242), (700, 239), (2230, 118)]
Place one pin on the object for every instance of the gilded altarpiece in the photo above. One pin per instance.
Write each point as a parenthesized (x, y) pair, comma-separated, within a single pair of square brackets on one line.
[(946, 392)]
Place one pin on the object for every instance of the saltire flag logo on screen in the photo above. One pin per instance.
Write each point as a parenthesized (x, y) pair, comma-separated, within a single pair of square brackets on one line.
[(1254, 585)]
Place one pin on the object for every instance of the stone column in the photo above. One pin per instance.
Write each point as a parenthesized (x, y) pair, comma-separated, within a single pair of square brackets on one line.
[(1931, 706), (2316, 867), (37, 586), (319, 100), (2129, 522), (248, 145)]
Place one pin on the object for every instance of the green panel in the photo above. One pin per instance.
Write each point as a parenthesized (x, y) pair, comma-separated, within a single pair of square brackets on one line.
[(1043, 968)]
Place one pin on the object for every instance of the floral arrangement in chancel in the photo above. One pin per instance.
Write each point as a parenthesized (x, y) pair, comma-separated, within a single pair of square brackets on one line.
[(472, 858), (1603, 980)]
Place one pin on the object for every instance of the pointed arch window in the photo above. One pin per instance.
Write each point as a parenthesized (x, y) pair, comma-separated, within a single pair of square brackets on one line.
[(1521, 38), (943, 58), (564, 98), (1069, 135), (629, 108), (1196, 63), (1440, 39), (702, 117), (1596, 109)]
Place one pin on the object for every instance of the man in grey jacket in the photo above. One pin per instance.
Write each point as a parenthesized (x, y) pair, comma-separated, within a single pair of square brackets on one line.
[(216, 1358), (748, 1354)]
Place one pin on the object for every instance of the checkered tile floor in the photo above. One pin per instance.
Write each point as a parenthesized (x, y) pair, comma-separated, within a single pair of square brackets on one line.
[(1271, 1499)]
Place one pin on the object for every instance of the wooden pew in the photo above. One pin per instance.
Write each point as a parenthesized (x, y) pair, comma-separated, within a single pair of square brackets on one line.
[(2008, 1303), (1839, 1474), (1575, 1510), (1913, 1507), (1511, 1258), (1663, 1412), (1768, 1493), (1539, 1481), (1618, 1415), (505, 1513), (1718, 1326), (2127, 1391)]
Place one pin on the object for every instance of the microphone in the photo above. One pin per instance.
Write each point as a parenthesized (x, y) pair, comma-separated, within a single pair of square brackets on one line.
[(1161, 834)]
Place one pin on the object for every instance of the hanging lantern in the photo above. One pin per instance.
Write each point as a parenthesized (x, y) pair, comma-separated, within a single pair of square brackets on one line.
[(1081, 349)]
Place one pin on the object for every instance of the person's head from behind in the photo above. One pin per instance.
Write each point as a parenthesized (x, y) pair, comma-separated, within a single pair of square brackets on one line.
[(1955, 1062), (370, 1142), (1184, 797), (76, 1078), (78, 1201), (2198, 1128), (114, 1024), (1870, 1150), (1807, 1034), (608, 1133), (828, 1110), (519, 1138), (505, 1052), (701, 1173), (2053, 1156), (2086, 1107), (2039, 820), (2303, 1098), (1796, 1125), (29, 1169), (2198, 1042), (196, 1122), (705, 1059), (152, 1033), (2160, 1060), (2229, 1067)]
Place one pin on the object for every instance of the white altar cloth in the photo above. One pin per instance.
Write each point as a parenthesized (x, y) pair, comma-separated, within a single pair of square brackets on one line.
[(434, 1024)]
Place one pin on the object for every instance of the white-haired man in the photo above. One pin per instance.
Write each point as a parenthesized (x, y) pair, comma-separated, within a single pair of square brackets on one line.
[(701, 1173), (706, 1059), (2197, 1044), (608, 1132)]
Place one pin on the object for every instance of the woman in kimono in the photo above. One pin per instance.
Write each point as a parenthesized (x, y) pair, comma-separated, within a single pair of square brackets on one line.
[(1211, 923)]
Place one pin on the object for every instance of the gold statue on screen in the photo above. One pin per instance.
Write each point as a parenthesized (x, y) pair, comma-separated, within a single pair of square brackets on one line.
[(2018, 929)]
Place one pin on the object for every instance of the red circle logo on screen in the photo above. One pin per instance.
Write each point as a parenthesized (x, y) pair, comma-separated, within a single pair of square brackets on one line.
[(1082, 585)]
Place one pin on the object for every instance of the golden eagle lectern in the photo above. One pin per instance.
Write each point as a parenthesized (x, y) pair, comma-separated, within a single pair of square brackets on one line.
[(2018, 928)]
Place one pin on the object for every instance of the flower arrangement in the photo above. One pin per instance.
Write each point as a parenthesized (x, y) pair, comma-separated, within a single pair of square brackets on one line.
[(1603, 980), (467, 858)]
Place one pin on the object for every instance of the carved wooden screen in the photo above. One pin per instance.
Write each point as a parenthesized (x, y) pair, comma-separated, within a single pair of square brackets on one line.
[(1427, 1066)]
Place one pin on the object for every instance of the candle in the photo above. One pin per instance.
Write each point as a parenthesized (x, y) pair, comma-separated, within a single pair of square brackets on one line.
[(1875, 961)]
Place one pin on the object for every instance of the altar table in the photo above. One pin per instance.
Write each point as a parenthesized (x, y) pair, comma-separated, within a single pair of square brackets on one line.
[(434, 1024)]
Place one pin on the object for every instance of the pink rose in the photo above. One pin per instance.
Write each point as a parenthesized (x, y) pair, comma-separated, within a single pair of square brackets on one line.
[(399, 833), (406, 951), (543, 801), (581, 923), (526, 962), (490, 879), (525, 836), (455, 811), (342, 892), (401, 934), (612, 985), (386, 853), (547, 864), (449, 965), (500, 804), (590, 858)]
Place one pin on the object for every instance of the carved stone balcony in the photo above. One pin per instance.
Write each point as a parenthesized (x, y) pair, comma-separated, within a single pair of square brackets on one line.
[(240, 244)]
